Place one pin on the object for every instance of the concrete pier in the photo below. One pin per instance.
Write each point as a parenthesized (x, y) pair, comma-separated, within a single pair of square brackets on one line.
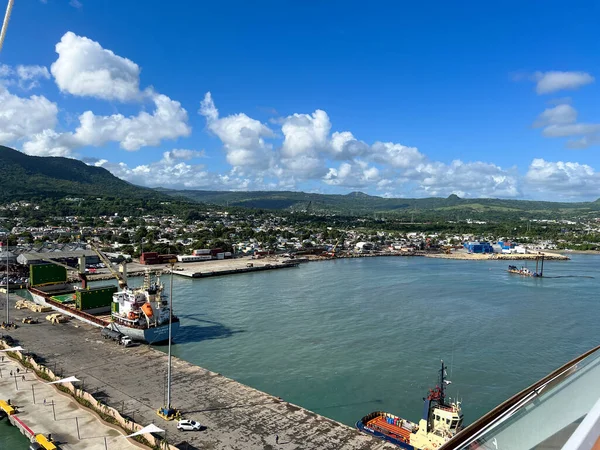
[(43, 409), (231, 266), (132, 380)]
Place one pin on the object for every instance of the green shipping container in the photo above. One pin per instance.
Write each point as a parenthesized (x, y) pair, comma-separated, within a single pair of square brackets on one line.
[(114, 307), (42, 274), (94, 298)]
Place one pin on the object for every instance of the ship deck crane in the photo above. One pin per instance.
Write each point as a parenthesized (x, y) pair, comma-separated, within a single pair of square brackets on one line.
[(120, 275)]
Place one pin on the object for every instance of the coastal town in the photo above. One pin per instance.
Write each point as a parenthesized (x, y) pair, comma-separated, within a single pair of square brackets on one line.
[(252, 234)]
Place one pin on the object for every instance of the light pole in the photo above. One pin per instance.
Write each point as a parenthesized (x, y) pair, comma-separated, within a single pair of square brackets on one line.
[(170, 320), (7, 294)]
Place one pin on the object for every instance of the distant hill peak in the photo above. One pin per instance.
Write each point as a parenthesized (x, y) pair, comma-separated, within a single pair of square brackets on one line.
[(358, 194), (453, 197)]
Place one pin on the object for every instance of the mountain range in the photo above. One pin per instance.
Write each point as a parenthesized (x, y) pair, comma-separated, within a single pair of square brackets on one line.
[(27, 177)]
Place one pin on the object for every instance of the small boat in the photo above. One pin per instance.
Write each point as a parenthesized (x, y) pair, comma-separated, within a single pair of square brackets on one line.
[(441, 421), (524, 271)]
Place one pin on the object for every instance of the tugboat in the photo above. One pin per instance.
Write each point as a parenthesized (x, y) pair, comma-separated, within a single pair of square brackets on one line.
[(524, 271), (440, 422)]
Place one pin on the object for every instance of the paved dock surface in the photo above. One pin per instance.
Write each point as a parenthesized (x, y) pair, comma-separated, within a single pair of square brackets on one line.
[(132, 381), (232, 266), (54, 412)]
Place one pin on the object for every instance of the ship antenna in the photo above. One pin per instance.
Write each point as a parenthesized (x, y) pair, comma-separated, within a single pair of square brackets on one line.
[(442, 387), (452, 360)]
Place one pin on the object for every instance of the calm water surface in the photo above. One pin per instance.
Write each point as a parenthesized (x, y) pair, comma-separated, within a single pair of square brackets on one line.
[(343, 338), (346, 337)]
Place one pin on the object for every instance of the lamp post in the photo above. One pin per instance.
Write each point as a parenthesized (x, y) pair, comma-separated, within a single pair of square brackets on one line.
[(7, 294), (170, 321)]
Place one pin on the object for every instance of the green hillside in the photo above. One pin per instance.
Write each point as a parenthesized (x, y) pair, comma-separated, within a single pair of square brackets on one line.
[(45, 178), (27, 177), (360, 203)]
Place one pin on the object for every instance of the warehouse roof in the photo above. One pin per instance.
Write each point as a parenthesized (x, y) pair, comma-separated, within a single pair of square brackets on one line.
[(57, 254)]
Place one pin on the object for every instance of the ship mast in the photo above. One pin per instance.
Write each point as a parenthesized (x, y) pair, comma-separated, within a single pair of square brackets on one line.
[(443, 384)]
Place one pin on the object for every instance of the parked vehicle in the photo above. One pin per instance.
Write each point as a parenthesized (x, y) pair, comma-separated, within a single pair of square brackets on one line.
[(125, 341), (107, 333), (188, 425)]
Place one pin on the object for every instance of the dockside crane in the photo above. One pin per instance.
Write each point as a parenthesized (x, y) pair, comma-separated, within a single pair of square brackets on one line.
[(120, 275)]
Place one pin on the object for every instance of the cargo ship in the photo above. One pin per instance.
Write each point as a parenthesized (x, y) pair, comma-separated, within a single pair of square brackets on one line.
[(441, 421), (141, 313)]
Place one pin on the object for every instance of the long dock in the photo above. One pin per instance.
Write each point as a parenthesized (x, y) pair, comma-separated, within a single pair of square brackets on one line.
[(131, 380), (232, 266)]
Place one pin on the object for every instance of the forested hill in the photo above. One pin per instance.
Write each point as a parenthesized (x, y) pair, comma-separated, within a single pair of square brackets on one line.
[(25, 177), (32, 178), (360, 203)]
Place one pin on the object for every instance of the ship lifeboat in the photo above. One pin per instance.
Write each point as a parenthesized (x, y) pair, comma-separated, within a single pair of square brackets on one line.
[(132, 315), (147, 308)]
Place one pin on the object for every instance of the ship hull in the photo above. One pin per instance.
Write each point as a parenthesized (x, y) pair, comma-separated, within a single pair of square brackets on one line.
[(360, 426), (151, 335)]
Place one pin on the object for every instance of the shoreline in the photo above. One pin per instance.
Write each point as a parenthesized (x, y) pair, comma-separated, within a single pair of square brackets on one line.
[(273, 262), (457, 256)]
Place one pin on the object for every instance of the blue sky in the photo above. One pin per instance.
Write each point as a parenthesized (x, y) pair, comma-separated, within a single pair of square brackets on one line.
[(390, 98)]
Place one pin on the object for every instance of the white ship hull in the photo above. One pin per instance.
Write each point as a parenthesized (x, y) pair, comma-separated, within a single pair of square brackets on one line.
[(150, 335)]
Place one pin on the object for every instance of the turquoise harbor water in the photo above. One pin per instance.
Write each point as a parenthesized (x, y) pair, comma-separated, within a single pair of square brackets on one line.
[(346, 337)]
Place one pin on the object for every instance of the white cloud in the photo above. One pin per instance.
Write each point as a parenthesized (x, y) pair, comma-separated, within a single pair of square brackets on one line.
[(561, 121), (305, 134), (563, 179), (76, 4), (29, 75), (344, 146), (22, 117), (84, 68), (573, 129), (5, 71), (168, 121), (308, 150), (553, 81), (357, 175), (243, 137), (473, 179), (306, 140), (173, 173), (559, 115), (50, 143), (181, 154), (26, 77), (397, 155), (584, 142)]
